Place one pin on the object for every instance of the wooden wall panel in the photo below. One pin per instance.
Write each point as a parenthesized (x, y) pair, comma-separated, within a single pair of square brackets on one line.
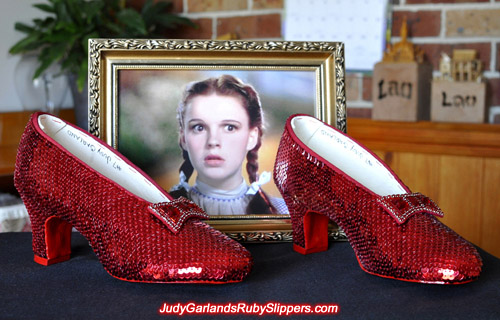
[(12, 126), (460, 195), (420, 172), (490, 232)]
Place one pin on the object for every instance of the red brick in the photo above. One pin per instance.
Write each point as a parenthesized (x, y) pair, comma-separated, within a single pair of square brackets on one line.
[(493, 92), (267, 4), (359, 113), (178, 6), (352, 87), (420, 23), (367, 88), (443, 1), (259, 26), (433, 52), (204, 30), (498, 54), (216, 5)]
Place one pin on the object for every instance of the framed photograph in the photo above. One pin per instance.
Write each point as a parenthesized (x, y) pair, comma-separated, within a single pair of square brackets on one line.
[(165, 104)]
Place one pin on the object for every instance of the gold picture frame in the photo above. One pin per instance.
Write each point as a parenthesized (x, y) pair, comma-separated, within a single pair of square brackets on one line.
[(117, 64)]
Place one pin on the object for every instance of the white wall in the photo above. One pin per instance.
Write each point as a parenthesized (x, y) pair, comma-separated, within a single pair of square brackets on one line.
[(12, 11)]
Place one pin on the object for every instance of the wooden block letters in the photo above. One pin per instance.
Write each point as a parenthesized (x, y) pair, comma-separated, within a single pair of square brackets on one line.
[(401, 91), (458, 101)]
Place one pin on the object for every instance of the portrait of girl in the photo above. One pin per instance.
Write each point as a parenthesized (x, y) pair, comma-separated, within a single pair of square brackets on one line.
[(221, 124)]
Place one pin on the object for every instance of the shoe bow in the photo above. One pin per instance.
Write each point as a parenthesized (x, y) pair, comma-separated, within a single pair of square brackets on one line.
[(175, 213), (402, 206)]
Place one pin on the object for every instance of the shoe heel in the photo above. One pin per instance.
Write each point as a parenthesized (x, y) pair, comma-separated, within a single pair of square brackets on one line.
[(309, 230), (52, 243)]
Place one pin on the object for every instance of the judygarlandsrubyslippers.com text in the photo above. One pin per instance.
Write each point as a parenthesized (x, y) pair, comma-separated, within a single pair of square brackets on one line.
[(244, 308)]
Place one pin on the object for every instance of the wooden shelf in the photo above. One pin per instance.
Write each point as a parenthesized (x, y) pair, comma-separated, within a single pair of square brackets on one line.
[(481, 140), (11, 128)]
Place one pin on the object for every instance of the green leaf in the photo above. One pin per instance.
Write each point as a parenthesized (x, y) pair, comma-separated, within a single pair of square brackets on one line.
[(92, 9), (71, 63), (43, 23), (114, 5), (46, 24), (41, 68), (81, 81), (85, 41), (33, 46), (68, 62), (112, 28), (19, 26), (147, 12), (62, 12), (158, 8), (172, 21), (48, 56), (58, 36), (63, 25), (161, 6), (147, 6), (155, 12), (25, 43), (133, 22), (45, 7)]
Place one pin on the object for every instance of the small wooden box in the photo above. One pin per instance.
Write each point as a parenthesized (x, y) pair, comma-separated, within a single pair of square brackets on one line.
[(401, 91), (458, 101)]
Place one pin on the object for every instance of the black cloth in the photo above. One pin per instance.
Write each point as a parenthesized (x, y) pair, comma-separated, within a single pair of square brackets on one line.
[(81, 289)]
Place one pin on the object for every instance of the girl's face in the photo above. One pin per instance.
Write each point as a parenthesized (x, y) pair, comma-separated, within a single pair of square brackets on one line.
[(217, 136)]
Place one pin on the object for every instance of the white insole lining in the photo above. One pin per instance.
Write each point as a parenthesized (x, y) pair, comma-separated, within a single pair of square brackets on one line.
[(346, 155), (100, 158)]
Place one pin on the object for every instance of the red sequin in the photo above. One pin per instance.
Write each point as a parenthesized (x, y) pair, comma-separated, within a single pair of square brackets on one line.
[(394, 236), (131, 243)]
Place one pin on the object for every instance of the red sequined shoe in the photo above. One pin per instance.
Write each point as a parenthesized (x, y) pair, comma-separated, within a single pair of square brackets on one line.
[(67, 177), (324, 175)]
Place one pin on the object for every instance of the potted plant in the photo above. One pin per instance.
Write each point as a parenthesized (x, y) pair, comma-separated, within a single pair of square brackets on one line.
[(62, 36)]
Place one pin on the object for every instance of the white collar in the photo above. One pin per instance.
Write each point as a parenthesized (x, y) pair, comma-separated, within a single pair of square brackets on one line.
[(210, 191)]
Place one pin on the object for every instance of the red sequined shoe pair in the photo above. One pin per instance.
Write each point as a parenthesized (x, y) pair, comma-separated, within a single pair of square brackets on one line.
[(325, 175), (67, 177)]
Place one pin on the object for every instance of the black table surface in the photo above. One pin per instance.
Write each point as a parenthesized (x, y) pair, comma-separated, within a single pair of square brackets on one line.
[(81, 289)]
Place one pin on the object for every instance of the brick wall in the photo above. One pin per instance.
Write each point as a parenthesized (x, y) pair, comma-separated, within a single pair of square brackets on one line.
[(249, 19), (440, 26), (443, 25), (434, 25)]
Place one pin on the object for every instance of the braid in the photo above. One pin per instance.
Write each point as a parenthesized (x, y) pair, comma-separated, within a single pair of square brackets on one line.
[(252, 161), (187, 166)]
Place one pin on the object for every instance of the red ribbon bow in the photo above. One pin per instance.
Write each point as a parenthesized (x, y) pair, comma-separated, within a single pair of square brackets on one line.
[(403, 206), (174, 213)]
